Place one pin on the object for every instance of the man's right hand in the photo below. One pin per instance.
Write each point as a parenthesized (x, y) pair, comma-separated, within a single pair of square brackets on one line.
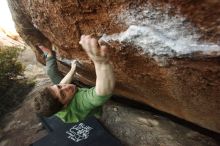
[(46, 51), (73, 65)]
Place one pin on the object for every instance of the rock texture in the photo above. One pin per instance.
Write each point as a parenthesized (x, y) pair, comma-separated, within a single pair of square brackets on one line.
[(165, 53), (135, 127)]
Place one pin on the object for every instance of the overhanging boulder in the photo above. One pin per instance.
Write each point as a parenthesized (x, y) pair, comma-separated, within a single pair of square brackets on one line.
[(165, 54)]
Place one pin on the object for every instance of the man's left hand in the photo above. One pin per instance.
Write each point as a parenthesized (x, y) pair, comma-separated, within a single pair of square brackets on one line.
[(98, 53)]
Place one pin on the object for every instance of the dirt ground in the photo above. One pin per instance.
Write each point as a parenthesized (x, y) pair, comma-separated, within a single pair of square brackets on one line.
[(132, 125)]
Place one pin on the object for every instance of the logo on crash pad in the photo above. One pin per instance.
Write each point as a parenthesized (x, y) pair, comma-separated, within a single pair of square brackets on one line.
[(79, 132)]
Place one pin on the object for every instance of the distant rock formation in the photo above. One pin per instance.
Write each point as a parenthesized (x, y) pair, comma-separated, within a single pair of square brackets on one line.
[(10, 39), (165, 53)]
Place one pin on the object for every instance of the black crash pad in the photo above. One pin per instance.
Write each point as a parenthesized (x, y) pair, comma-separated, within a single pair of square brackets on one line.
[(86, 133)]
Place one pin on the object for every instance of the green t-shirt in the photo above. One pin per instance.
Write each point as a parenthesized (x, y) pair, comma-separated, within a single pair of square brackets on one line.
[(84, 103)]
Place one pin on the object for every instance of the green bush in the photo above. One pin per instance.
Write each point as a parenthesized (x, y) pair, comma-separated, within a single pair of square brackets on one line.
[(13, 85), (10, 68)]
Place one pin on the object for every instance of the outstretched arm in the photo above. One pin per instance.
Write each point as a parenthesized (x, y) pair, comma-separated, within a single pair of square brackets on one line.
[(104, 73), (51, 65), (69, 76)]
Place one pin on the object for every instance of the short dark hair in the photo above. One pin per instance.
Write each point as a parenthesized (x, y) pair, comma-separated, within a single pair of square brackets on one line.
[(45, 104)]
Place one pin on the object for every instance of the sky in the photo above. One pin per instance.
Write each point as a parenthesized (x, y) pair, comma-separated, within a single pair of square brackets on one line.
[(6, 21)]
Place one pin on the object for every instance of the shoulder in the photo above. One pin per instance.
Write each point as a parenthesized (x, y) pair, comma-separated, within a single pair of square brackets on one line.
[(83, 90)]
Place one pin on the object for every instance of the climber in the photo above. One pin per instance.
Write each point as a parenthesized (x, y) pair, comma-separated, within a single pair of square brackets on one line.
[(69, 102)]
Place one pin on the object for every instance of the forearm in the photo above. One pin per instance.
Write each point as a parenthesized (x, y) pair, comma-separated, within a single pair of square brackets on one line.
[(105, 80), (52, 70), (99, 54), (69, 77)]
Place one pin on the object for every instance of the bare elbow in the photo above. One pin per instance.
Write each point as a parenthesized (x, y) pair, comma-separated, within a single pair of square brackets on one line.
[(106, 89)]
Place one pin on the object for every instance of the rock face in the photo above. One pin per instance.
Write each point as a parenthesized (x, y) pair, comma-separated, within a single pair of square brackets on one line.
[(165, 53)]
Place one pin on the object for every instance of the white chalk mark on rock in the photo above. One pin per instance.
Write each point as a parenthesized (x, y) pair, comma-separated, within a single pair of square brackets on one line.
[(160, 35)]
